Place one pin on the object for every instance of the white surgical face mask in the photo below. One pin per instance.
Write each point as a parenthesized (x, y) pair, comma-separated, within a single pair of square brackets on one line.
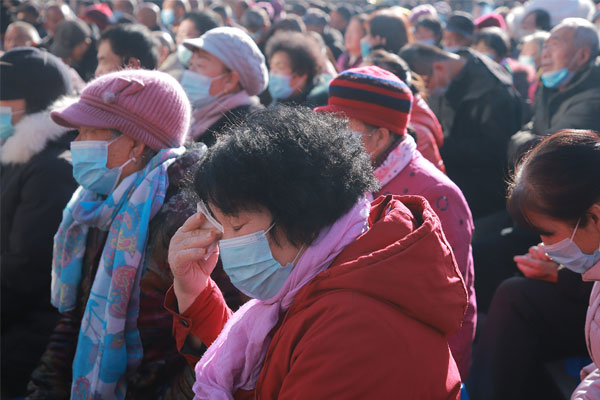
[(567, 253)]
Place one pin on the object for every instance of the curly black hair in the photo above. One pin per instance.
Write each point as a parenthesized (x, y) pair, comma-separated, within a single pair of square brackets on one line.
[(305, 168)]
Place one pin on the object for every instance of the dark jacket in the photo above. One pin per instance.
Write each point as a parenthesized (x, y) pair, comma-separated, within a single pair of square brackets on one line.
[(163, 373), (36, 184), (574, 107), (479, 113), (232, 117)]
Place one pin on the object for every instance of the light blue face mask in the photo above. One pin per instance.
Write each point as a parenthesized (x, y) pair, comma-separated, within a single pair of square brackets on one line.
[(279, 86), (117, 15), (248, 262), (6, 127), (567, 253), (184, 55), (89, 166), (197, 87), (554, 79), (365, 48), (167, 16), (528, 60), (452, 49), (429, 42)]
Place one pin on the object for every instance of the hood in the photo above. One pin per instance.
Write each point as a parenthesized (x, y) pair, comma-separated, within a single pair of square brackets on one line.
[(421, 115), (403, 260), (32, 133)]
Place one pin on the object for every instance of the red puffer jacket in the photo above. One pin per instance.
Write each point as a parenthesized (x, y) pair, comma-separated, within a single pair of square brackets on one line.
[(373, 325)]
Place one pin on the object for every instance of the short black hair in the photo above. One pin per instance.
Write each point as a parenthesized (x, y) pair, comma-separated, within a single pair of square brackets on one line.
[(494, 38), (542, 19), (558, 178), (132, 40), (204, 20), (433, 24), (345, 11), (307, 169), (303, 51), (390, 26)]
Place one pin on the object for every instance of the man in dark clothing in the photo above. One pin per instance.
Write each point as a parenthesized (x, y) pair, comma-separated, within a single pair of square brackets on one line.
[(479, 110), (569, 96)]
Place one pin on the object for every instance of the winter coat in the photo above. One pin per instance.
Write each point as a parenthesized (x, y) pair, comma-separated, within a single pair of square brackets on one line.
[(430, 137), (37, 182), (163, 373), (373, 325), (589, 388), (230, 118), (479, 113), (573, 107), (421, 178)]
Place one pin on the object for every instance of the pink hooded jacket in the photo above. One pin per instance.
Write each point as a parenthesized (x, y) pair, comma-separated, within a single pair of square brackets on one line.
[(589, 388)]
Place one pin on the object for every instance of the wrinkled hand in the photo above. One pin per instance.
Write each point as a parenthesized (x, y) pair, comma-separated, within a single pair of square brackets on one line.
[(187, 251), (537, 265)]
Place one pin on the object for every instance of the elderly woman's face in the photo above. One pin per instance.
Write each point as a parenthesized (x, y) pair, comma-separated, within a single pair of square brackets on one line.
[(208, 65), (248, 222), (119, 151)]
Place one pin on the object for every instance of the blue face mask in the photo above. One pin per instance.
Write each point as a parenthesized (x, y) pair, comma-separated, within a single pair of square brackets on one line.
[(6, 127), (167, 17), (567, 253), (365, 48), (184, 55), (248, 262), (554, 79), (279, 86), (528, 60), (117, 15), (429, 42), (197, 87), (89, 166), (452, 49)]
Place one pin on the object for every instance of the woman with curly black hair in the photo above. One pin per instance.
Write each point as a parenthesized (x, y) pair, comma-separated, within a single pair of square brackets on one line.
[(343, 304)]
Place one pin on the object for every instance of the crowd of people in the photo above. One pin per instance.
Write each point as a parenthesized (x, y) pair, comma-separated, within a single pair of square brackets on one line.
[(226, 199)]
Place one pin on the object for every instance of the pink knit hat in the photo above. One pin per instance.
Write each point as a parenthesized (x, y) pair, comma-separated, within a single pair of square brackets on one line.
[(149, 106)]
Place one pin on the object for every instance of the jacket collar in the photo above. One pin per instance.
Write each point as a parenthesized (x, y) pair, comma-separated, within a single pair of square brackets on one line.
[(592, 274), (32, 134)]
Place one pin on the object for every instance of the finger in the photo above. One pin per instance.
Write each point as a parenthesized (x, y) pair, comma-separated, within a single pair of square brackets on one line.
[(200, 241), (181, 238), (185, 257), (194, 222)]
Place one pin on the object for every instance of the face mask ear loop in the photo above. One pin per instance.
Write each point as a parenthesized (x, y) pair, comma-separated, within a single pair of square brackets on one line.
[(575, 230)]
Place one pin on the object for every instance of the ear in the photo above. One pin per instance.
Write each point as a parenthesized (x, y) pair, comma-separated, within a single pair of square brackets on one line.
[(137, 150), (297, 82), (233, 79), (382, 138), (583, 56), (594, 215), (439, 69), (134, 63)]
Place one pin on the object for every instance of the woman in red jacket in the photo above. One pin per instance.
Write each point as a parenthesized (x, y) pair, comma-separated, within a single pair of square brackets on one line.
[(350, 299)]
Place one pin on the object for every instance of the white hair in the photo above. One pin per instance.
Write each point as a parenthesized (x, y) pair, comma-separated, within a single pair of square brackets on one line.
[(26, 30), (585, 34)]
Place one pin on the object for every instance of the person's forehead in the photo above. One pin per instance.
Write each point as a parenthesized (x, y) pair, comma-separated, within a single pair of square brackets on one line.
[(564, 34)]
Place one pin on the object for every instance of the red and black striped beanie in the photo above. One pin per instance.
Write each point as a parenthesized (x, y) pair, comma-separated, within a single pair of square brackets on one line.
[(371, 95)]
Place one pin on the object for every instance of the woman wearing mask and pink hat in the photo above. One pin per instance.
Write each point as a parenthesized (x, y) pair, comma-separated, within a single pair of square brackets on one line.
[(109, 267), (226, 73)]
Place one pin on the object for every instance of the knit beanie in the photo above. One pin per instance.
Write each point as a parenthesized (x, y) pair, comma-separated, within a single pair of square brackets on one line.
[(236, 49), (371, 95), (35, 75), (149, 106)]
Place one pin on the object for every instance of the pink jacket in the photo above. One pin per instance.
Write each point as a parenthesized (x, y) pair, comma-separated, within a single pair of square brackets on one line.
[(429, 132), (589, 388), (420, 177)]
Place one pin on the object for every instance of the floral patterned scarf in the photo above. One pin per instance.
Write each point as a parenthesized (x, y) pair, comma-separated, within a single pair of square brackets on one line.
[(109, 343)]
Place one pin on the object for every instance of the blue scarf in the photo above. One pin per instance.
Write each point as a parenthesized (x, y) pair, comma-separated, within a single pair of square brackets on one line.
[(109, 343)]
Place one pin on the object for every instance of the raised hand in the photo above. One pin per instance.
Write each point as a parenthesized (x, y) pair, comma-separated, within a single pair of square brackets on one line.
[(188, 251)]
